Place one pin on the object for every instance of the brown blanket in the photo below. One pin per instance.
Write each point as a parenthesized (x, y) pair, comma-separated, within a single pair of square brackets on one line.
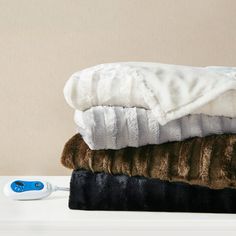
[(208, 161)]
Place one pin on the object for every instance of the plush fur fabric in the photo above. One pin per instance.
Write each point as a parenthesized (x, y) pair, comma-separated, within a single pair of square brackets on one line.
[(169, 91), (106, 127), (208, 161), (101, 191)]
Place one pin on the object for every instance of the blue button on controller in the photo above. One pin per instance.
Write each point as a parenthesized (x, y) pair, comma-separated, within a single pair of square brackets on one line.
[(22, 186)]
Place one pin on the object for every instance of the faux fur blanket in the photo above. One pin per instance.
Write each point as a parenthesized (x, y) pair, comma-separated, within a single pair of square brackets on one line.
[(101, 191), (104, 127), (209, 161), (169, 91)]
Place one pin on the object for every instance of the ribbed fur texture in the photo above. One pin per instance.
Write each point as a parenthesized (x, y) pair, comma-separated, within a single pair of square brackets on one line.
[(101, 191), (208, 161), (105, 127), (169, 91)]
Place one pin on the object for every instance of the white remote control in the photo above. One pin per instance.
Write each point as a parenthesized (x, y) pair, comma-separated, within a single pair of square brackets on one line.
[(30, 190)]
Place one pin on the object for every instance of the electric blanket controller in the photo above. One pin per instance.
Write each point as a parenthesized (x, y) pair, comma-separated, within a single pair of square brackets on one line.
[(30, 190)]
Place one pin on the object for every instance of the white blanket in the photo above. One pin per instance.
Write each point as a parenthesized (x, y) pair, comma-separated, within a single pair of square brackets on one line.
[(169, 91), (118, 127)]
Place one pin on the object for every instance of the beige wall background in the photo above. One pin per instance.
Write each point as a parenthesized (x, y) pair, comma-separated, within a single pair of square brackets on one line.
[(43, 42)]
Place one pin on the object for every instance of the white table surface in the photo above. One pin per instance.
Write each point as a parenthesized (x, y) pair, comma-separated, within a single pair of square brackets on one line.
[(51, 216)]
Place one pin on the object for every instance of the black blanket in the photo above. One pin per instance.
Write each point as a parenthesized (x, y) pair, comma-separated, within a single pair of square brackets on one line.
[(101, 191)]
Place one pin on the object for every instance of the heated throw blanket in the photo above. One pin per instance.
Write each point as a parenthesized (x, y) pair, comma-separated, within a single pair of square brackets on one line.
[(169, 91), (104, 127), (208, 161), (101, 191)]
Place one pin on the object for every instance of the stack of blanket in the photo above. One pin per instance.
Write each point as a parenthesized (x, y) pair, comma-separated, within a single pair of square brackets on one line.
[(153, 137)]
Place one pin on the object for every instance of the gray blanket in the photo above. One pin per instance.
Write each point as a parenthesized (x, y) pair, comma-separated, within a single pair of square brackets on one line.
[(104, 127)]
